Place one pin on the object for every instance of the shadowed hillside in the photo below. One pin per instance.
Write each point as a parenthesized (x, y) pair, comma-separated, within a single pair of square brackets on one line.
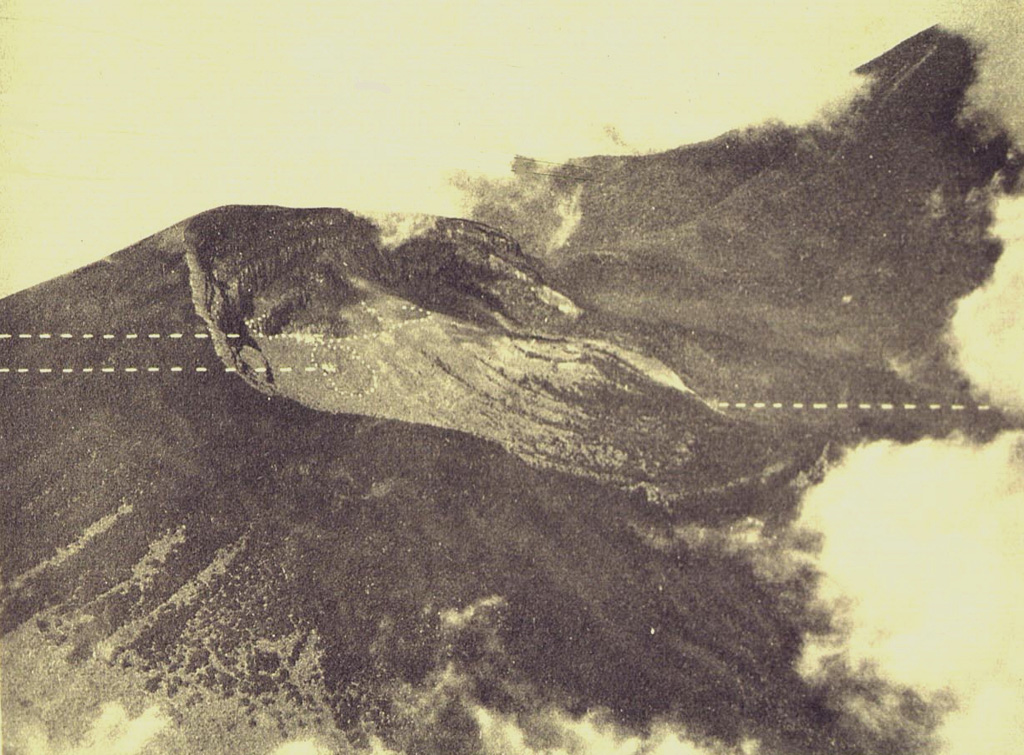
[(785, 263), (304, 473)]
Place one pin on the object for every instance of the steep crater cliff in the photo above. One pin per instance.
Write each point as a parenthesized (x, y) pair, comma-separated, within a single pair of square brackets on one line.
[(444, 322)]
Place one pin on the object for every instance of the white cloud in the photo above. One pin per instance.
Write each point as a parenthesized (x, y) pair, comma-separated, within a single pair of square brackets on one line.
[(987, 330), (302, 747), (923, 548), (924, 542), (570, 215), (113, 732), (554, 732)]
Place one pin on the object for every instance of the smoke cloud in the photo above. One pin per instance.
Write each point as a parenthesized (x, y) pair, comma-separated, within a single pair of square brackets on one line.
[(924, 543), (446, 717), (540, 206), (113, 732), (997, 27), (987, 330), (554, 731), (920, 559)]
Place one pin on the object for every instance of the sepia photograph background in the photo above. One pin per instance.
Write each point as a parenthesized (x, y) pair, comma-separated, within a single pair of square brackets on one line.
[(120, 119)]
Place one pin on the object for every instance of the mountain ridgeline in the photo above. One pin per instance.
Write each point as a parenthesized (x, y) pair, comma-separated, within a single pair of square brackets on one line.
[(451, 326), (317, 474), (788, 262)]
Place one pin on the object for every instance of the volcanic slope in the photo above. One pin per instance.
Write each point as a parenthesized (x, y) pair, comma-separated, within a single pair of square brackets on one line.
[(258, 568), (782, 263), (329, 477), (447, 324)]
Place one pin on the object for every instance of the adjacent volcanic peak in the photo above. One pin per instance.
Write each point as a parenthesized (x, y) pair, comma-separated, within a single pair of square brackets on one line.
[(442, 322), (819, 262)]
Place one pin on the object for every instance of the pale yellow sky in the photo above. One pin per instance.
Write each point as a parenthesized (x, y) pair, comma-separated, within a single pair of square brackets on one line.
[(119, 118)]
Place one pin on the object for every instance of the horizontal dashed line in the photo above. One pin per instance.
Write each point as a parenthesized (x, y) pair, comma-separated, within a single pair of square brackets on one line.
[(107, 336), (201, 336), (326, 369), (332, 369), (841, 406)]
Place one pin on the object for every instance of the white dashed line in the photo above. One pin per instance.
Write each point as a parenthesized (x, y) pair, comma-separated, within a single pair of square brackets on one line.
[(338, 343), (329, 368), (108, 336), (105, 336), (427, 315), (882, 406)]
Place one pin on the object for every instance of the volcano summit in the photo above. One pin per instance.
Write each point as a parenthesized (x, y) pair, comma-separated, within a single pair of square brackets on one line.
[(421, 484)]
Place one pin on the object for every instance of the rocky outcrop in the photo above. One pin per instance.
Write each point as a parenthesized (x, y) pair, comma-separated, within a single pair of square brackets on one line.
[(449, 325)]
